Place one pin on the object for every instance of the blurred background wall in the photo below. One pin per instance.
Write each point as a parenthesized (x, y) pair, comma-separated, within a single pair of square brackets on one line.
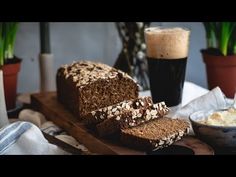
[(94, 41)]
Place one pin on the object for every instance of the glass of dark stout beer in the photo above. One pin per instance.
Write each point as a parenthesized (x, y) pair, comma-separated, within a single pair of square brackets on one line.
[(167, 52)]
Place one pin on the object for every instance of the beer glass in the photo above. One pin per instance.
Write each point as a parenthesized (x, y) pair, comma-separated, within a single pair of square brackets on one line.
[(167, 53)]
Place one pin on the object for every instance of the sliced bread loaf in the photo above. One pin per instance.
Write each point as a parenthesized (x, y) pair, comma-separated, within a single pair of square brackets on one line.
[(155, 134), (102, 114), (131, 118), (85, 86)]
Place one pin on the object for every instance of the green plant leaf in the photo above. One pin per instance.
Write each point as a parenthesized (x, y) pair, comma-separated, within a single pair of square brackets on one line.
[(211, 32), (226, 31), (8, 32), (221, 35)]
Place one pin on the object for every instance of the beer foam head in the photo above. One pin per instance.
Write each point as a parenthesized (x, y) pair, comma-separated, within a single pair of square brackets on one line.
[(168, 43)]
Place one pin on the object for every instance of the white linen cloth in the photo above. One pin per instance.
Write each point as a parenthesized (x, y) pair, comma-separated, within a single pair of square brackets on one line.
[(212, 100)]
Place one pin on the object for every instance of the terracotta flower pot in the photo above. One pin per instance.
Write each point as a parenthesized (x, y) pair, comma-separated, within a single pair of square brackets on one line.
[(221, 71), (10, 74)]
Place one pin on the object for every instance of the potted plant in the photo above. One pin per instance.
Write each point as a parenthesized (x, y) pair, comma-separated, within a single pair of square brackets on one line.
[(220, 56), (9, 63)]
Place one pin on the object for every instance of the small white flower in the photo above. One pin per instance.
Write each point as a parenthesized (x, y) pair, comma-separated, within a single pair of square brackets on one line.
[(140, 55), (138, 41), (143, 46), (126, 38), (140, 24), (137, 35)]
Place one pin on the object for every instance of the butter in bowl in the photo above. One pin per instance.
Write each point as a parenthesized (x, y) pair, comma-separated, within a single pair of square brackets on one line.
[(215, 127)]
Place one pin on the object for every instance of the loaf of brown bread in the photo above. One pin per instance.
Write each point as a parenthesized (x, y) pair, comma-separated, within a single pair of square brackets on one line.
[(118, 109), (86, 86), (131, 118), (155, 134)]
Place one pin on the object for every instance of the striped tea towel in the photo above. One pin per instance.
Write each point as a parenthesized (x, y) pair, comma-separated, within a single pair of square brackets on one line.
[(11, 133), (24, 138)]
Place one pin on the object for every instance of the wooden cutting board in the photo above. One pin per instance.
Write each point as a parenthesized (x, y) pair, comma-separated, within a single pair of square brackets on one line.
[(47, 104)]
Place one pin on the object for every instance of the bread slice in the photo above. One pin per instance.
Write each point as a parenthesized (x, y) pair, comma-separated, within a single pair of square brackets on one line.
[(155, 134), (131, 118), (102, 114)]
